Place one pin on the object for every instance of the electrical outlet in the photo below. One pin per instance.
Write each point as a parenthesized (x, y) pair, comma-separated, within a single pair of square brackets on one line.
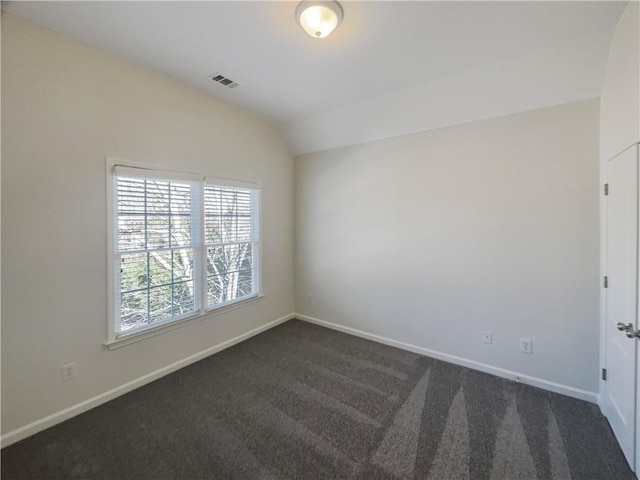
[(487, 337), (526, 345), (309, 298), (68, 371)]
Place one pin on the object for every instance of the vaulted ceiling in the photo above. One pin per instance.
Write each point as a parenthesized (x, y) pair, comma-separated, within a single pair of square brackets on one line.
[(391, 68)]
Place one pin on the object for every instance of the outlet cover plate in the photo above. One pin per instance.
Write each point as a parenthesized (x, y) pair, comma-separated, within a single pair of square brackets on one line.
[(68, 371), (526, 345)]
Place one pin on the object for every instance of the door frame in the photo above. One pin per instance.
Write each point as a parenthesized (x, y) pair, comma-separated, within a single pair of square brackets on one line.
[(603, 294), (637, 465)]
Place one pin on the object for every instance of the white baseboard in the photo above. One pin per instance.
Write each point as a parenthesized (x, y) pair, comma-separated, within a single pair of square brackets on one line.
[(58, 417), (592, 397), (67, 413)]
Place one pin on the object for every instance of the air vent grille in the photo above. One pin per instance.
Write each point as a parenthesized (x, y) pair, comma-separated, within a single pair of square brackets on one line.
[(222, 80)]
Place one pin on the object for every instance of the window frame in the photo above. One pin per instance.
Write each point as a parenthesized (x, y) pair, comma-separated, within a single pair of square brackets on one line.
[(202, 310)]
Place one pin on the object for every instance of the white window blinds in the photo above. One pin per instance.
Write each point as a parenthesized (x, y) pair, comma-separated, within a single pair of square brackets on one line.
[(156, 242), (174, 259), (231, 239)]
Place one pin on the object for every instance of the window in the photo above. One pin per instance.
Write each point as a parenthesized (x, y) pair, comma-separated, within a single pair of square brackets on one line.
[(183, 245), (231, 242)]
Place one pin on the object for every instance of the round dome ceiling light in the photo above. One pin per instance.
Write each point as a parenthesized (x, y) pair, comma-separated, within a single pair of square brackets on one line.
[(319, 19)]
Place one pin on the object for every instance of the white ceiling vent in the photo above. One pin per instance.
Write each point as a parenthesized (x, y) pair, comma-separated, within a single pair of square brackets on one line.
[(222, 80)]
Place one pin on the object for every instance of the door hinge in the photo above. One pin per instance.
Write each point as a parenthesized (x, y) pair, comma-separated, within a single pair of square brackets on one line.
[(606, 189), (605, 282), (604, 374)]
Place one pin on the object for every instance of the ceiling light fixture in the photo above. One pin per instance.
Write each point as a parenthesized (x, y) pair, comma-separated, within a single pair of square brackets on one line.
[(319, 19)]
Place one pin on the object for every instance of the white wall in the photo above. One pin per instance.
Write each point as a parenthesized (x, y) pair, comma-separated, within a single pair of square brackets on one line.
[(620, 99), (510, 85), (65, 107), (619, 128), (619, 118), (432, 238)]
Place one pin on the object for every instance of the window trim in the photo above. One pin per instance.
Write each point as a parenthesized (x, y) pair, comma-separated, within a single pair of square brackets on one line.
[(120, 339)]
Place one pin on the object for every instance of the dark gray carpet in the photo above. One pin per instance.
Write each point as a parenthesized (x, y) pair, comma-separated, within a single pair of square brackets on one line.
[(303, 402)]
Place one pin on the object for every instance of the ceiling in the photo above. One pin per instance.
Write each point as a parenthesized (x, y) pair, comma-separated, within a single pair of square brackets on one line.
[(391, 68)]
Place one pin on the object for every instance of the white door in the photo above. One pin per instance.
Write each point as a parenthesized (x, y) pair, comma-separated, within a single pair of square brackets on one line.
[(622, 299)]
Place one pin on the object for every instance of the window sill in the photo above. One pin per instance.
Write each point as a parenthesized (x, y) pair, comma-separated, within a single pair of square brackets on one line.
[(127, 339)]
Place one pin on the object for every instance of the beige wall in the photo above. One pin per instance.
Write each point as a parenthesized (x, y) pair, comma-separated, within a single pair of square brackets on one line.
[(427, 239), (65, 107), (432, 238)]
